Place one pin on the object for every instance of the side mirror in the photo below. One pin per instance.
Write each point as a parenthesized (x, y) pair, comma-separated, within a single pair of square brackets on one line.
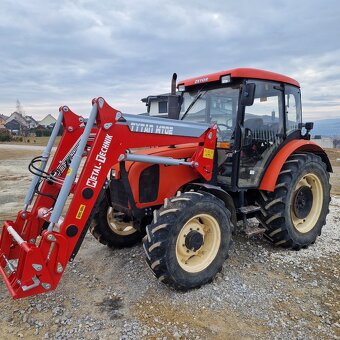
[(308, 126), (248, 94)]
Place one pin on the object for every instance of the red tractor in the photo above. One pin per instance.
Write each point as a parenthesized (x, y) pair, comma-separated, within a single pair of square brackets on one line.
[(235, 148)]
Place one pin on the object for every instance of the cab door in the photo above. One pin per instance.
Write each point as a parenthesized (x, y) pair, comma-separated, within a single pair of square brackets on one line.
[(262, 131)]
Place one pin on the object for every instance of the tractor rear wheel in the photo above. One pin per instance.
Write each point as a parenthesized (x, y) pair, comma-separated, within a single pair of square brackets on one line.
[(113, 228), (296, 211), (188, 240)]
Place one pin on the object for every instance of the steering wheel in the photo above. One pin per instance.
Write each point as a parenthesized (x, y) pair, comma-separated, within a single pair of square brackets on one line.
[(223, 134)]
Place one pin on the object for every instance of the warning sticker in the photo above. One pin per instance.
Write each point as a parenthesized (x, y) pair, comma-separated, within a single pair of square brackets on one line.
[(208, 153), (80, 211), (69, 172)]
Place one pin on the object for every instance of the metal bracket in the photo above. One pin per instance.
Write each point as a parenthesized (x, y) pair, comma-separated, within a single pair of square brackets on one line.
[(36, 283), (37, 267)]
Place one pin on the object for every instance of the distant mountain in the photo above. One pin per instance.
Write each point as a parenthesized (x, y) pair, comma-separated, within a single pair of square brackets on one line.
[(327, 127)]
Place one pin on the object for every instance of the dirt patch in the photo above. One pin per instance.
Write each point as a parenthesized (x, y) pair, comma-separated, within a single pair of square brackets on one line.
[(206, 323)]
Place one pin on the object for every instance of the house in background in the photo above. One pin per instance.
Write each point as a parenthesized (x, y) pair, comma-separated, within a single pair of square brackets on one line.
[(3, 119), (2, 122), (23, 125), (48, 121), (17, 124), (31, 122)]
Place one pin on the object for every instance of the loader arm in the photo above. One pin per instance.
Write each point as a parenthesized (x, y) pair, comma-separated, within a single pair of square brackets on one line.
[(36, 247)]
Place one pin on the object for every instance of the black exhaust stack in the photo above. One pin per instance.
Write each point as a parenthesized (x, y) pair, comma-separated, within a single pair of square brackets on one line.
[(173, 100)]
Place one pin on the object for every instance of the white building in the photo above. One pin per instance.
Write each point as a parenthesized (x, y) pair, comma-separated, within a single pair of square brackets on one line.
[(324, 142), (48, 121)]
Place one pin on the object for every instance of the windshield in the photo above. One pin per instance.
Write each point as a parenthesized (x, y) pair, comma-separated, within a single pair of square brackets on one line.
[(217, 105)]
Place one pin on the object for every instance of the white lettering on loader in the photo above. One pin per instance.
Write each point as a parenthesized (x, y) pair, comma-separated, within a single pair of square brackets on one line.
[(101, 159)]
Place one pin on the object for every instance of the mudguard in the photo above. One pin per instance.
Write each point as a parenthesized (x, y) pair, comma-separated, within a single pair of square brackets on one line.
[(301, 145)]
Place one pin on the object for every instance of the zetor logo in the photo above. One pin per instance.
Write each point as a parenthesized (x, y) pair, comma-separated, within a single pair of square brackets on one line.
[(101, 159), (201, 80)]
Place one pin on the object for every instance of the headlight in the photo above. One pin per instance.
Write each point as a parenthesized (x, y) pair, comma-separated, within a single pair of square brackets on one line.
[(226, 79), (181, 88)]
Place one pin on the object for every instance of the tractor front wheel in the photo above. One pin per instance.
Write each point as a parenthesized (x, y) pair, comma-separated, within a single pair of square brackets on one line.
[(296, 211), (188, 240), (113, 228)]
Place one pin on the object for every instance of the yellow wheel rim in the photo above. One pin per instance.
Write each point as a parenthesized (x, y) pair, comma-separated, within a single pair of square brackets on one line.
[(120, 228), (309, 182), (196, 260)]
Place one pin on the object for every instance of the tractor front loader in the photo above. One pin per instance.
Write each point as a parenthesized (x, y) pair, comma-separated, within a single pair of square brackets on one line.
[(36, 247)]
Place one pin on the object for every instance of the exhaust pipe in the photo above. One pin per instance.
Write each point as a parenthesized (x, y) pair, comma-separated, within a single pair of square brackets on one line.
[(173, 84), (173, 100)]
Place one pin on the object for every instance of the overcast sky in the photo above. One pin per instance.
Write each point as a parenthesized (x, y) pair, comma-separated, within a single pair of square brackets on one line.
[(68, 52)]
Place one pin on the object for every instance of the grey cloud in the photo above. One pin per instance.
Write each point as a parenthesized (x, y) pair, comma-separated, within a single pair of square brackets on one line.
[(326, 98), (71, 51)]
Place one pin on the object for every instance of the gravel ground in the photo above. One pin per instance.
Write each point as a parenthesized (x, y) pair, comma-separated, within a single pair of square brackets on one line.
[(262, 292)]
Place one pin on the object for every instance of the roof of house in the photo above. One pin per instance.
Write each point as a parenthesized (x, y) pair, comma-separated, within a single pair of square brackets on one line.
[(159, 97), (31, 119), (49, 116), (4, 117), (47, 120), (18, 117), (14, 123)]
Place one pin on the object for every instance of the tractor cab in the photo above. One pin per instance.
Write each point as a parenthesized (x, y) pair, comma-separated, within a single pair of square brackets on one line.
[(255, 111)]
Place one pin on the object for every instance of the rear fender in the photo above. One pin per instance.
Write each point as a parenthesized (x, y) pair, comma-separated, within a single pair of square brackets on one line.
[(270, 176)]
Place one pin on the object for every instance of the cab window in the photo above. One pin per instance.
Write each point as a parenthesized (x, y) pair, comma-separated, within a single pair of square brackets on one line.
[(293, 108), (217, 105)]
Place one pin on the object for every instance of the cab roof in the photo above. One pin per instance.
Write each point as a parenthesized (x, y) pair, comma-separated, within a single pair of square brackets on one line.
[(251, 73)]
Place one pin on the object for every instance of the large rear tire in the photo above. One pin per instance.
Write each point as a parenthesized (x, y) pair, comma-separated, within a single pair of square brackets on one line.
[(113, 228), (296, 211), (188, 240)]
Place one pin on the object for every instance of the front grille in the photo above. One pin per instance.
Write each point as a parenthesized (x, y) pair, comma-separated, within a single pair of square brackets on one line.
[(149, 184)]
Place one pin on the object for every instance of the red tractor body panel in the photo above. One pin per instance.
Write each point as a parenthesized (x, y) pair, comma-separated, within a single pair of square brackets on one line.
[(171, 179)]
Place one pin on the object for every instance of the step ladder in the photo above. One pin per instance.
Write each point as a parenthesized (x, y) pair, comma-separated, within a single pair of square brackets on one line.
[(247, 228)]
